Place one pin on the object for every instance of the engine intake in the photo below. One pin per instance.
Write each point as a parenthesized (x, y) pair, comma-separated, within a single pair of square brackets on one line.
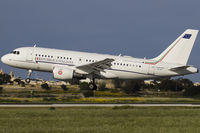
[(66, 74)]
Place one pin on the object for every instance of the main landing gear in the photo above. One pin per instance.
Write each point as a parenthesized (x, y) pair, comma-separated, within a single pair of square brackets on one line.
[(28, 80), (92, 85)]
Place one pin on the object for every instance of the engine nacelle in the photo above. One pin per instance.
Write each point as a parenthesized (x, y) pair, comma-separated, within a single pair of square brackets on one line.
[(63, 73)]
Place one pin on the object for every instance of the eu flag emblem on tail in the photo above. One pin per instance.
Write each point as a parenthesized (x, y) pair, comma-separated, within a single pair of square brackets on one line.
[(187, 36)]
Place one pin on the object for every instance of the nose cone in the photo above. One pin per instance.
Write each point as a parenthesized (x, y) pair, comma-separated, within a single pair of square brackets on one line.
[(4, 59)]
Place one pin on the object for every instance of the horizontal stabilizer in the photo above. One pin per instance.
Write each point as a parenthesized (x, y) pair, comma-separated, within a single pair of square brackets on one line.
[(179, 68)]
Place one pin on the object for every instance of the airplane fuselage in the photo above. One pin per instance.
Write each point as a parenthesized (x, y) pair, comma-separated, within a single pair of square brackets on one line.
[(123, 67)]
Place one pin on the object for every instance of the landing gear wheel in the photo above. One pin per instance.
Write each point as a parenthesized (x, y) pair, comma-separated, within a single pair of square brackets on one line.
[(28, 80), (92, 86)]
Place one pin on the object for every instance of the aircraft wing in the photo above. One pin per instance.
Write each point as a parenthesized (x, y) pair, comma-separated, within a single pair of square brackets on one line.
[(96, 67)]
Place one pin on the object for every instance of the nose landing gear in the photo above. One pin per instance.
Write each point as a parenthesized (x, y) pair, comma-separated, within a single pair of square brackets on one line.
[(28, 80)]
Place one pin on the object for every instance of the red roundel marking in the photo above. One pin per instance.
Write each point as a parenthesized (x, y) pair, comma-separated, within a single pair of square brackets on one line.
[(60, 72)]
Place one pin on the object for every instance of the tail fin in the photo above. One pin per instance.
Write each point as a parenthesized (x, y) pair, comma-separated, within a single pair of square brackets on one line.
[(179, 51)]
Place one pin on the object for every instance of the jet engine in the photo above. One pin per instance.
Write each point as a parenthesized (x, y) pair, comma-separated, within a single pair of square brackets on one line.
[(66, 74)]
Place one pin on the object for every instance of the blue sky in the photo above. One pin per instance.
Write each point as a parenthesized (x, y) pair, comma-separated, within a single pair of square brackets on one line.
[(137, 28)]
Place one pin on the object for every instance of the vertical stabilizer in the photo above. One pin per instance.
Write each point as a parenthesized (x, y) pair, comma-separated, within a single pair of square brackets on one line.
[(179, 51)]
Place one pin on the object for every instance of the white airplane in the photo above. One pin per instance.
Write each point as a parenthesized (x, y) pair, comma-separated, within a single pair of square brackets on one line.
[(68, 65)]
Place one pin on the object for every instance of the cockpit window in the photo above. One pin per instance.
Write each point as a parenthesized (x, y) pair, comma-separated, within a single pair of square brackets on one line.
[(15, 52)]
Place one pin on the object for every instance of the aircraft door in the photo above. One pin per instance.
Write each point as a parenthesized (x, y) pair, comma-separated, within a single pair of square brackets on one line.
[(80, 60), (151, 69), (29, 55)]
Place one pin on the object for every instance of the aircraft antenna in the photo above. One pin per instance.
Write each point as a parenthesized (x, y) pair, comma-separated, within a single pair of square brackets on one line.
[(35, 44)]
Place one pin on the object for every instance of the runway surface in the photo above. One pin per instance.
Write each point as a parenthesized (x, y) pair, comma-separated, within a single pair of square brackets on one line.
[(98, 105)]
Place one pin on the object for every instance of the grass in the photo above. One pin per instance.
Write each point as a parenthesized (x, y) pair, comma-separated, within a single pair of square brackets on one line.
[(100, 120), (110, 100), (74, 99)]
